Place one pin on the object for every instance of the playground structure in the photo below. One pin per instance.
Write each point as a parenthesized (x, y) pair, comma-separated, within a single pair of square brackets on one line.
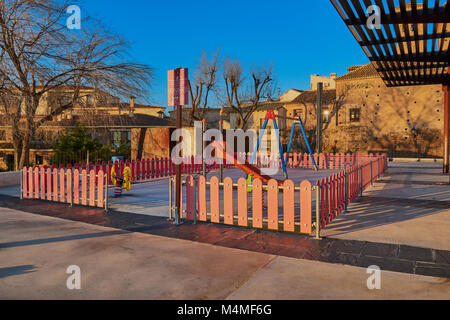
[(87, 184), (121, 182), (271, 116), (290, 204), (335, 180)]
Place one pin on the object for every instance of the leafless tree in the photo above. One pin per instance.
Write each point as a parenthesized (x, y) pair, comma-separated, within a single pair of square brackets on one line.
[(242, 97), (204, 84), (37, 46)]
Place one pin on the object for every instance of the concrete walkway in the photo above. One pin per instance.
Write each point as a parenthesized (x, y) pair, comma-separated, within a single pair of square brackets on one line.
[(35, 252), (409, 205)]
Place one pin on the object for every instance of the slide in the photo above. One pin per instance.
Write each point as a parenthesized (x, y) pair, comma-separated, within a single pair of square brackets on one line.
[(247, 167)]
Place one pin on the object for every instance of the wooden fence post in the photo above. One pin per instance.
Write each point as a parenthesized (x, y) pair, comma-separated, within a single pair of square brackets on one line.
[(215, 200), (289, 206), (228, 201), (202, 199), (257, 197), (306, 207), (242, 203)]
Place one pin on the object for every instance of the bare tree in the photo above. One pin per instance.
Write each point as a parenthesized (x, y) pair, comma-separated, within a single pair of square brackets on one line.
[(205, 83), (37, 46), (245, 99)]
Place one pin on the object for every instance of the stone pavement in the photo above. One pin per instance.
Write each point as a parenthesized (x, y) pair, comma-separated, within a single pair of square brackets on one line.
[(409, 205), (401, 225), (36, 250)]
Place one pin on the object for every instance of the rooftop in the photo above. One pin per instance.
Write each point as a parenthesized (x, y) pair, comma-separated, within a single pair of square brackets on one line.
[(360, 72)]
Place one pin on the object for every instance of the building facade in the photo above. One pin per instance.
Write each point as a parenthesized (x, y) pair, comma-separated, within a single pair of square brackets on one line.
[(110, 120), (401, 121)]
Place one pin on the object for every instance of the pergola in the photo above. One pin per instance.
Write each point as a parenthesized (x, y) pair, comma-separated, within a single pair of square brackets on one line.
[(410, 47)]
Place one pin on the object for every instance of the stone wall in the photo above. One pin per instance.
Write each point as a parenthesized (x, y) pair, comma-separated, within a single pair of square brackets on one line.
[(401, 121)]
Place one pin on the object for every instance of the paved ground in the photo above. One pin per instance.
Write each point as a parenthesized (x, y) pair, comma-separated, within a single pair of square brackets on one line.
[(124, 255), (117, 264), (410, 205)]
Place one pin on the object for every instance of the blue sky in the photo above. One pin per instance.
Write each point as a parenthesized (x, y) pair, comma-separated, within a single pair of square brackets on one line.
[(299, 38)]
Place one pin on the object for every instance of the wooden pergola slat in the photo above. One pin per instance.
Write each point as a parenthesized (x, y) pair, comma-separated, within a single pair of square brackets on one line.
[(410, 47)]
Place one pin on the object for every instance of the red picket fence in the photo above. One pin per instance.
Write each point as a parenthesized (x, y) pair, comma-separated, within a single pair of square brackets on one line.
[(144, 170), (229, 203), (72, 186), (339, 190)]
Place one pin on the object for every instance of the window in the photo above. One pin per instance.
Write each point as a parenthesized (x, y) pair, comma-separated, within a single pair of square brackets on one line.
[(39, 160), (282, 118), (122, 137), (89, 101), (355, 115), (129, 138), (65, 100), (117, 138)]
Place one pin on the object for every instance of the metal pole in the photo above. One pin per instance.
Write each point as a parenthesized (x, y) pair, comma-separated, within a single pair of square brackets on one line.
[(170, 199), (319, 117), (178, 172), (318, 213), (361, 181), (203, 147), (106, 193), (346, 190), (223, 158), (21, 184), (194, 193), (371, 172), (445, 88), (71, 187)]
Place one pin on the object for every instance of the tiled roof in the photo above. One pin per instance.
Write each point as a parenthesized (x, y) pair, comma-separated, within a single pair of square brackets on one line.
[(126, 106), (363, 72), (100, 120), (329, 96)]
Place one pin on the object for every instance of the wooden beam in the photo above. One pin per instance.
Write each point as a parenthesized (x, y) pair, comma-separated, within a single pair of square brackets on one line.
[(428, 16), (446, 89)]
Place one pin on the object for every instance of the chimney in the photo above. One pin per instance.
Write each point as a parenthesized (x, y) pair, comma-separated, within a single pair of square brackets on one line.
[(41, 82), (333, 75), (131, 108)]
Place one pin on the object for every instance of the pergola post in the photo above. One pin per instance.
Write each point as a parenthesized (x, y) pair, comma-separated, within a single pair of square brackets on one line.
[(446, 89)]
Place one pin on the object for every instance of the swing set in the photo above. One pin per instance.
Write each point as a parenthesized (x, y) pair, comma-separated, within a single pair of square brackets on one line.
[(297, 121)]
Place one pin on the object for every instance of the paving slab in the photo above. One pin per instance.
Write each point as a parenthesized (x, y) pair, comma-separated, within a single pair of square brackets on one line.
[(35, 252), (393, 257), (296, 279), (414, 211)]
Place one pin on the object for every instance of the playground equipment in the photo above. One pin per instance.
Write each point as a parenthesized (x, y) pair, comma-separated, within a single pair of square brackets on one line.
[(249, 169), (121, 182), (298, 121), (271, 116)]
